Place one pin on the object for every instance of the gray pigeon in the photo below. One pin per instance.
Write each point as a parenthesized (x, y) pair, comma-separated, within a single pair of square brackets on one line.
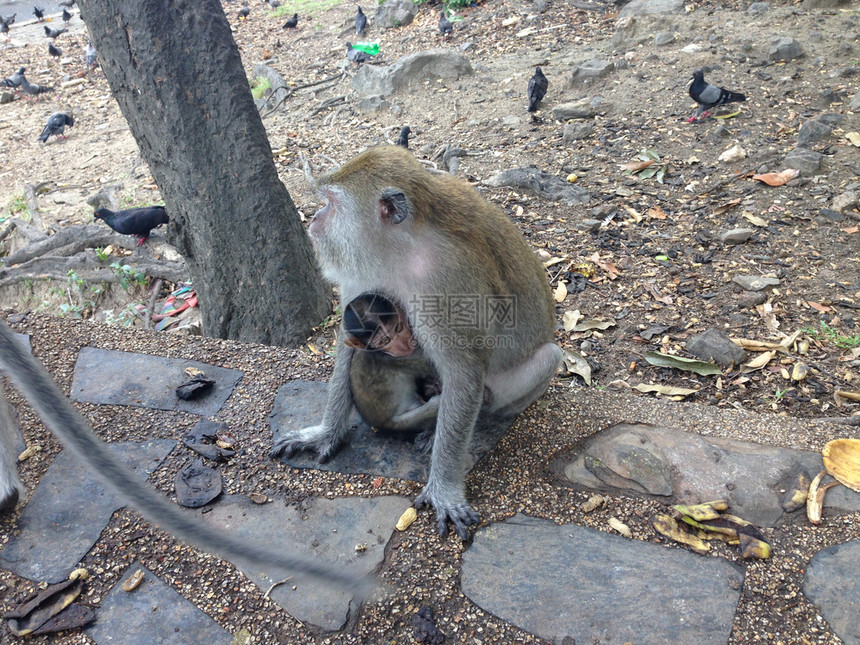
[(66, 16), (537, 89), (53, 33), (56, 125), (32, 89), (356, 55), (445, 26), (15, 79), (709, 96), (54, 51), (9, 19), (4, 28), (92, 55), (360, 22)]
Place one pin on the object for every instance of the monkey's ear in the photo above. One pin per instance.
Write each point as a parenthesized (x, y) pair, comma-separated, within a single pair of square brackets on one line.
[(394, 206), (355, 343)]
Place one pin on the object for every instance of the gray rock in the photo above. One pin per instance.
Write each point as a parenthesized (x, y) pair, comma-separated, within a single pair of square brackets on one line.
[(825, 4), (69, 510), (714, 345), (662, 38), (751, 477), (830, 215), (581, 109), (645, 7), (326, 529), (541, 184), (854, 103), (122, 378), (153, 613), (831, 584), (6, 97), (385, 80), (590, 71), (395, 13), (299, 404), (758, 8), (805, 160), (371, 104), (575, 584), (736, 235), (751, 299), (578, 130), (589, 225), (845, 201), (784, 49), (754, 282)]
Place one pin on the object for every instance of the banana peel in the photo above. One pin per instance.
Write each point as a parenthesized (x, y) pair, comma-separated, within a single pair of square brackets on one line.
[(796, 497), (815, 498), (701, 512), (842, 460), (728, 528), (751, 547), (666, 525), (40, 608)]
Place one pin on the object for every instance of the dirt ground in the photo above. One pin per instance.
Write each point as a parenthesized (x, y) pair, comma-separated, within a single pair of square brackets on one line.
[(655, 267)]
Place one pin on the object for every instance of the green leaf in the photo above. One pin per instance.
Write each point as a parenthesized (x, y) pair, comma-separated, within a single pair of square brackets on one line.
[(686, 364)]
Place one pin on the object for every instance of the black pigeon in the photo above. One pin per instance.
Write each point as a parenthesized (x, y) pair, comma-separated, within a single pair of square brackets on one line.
[(709, 96), (292, 22), (134, 221), (39, 13), (56, 125), (14, 80), (356, 55), (360, 22), (32, 89), (66, 16), (53, 33), (4, 28), (244, 12), (537, 89), (91, 55), (53, 51), (403, 139), (445, 26)]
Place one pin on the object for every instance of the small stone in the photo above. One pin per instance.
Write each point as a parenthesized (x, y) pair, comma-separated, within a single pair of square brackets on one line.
[(845, 201), (784, 49), (805, 160), (590, 71), (577, 130), (645, 7), (581, 109), (736, 235), (735, 153), (758, 8), (590, 225), (6, 97), (854, 103), (751, 300), (830, 214), (371, 104), (662, 38), (755, 282), (714, 345)]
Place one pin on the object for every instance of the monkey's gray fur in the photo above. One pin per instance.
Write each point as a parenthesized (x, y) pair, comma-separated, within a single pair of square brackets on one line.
[(66, 423)]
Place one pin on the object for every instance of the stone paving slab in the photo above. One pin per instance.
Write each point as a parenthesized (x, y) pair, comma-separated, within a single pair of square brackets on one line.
[(571, 581), (326, 529), (68, 512), (299, 404), (662, 462), (110, 377), (831, 583), (152, 613)]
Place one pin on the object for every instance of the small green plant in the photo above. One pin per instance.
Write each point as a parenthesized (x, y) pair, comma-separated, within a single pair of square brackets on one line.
[(649, 165), (259, 87), (127, 276), (102, 255), (457, 4), (827, 333), (305, 7), (18, 204), (125, 317)]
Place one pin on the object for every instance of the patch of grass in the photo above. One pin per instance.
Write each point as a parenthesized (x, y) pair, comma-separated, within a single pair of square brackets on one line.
[(305, 7), (18, 204), (259, 87), (827, 333), (458, 4)]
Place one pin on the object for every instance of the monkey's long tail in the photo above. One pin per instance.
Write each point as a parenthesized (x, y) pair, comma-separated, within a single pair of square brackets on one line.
[(34, 382)]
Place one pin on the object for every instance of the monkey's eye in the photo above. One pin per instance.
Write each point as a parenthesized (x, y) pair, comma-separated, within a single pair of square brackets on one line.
[(399, 327), (385, 341)]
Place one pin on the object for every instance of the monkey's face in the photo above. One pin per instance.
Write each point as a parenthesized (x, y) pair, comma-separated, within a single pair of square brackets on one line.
[(336, 235)]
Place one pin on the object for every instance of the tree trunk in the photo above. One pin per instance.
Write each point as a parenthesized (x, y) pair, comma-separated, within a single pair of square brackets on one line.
[(176, 73)]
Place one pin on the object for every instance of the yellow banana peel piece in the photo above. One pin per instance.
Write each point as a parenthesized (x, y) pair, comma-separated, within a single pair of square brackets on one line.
[(751, 547), (698, 512), (666, 525), (796, 497), (842, 460)]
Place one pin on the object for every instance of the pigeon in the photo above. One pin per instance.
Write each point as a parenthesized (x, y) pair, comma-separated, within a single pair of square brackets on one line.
[(134, 221), (537, 89), (356, 55), (360, 22), (9, 19), (15, 79), (53, 33), (445, 26), (709, 96), (92, 55), (39, 13), (32, 89), (292, 22), (56, 125), (244, 12), (403, 139), (53, 51), (66, 16), (4, 29)]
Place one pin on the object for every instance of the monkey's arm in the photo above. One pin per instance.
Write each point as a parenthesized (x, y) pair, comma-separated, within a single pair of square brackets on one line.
[(324, 439), (10, 484), (64, 421)]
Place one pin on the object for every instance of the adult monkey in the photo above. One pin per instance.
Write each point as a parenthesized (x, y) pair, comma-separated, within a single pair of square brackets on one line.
[(66, 423), (431, 243)]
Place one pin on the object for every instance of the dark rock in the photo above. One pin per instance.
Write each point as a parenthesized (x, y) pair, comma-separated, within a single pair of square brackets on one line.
[(831, 584), (784, 49), (196, 485), (531, 572), (632, 461), (806, 161), (832, 215), (195, 388), (751, 300), (714, 345), (590, 225), (424, 627), (812, 131)]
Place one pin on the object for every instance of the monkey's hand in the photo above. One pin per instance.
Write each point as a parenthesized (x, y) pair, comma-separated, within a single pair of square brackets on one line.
[(319, 439), (450, 507)]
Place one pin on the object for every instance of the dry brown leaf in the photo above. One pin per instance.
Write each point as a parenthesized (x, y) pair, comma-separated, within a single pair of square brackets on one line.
[(759, 361), (560, 292), (675, 393), (854, 138), (851, 230), (636, 166), (722, 208), (819, 307), (757, 345), (636, 215), (570, 319), (777, 178), (610, 268), (840, 396)]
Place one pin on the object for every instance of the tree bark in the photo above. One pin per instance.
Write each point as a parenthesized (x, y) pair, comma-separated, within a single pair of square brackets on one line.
[(177, 75)]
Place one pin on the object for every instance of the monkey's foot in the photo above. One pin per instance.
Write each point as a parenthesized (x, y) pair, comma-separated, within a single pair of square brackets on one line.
[(458, 512), (316, 439), (9, 498), (424, 440)]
